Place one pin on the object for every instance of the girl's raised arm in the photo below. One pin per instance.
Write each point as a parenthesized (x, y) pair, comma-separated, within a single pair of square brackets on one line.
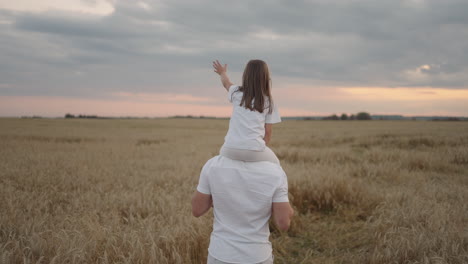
[(222, 71)]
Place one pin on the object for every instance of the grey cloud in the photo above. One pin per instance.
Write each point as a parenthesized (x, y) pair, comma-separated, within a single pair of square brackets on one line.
[(90, 27), (167, 47)]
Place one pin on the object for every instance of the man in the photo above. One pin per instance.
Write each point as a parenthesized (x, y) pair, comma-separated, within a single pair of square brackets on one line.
[(244, 195)]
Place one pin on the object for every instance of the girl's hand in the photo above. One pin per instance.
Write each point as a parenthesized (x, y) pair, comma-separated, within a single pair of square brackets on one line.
[(218, 68), (221, 70)]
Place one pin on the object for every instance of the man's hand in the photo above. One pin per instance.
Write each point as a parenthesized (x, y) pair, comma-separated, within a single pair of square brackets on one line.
[(218, 68)]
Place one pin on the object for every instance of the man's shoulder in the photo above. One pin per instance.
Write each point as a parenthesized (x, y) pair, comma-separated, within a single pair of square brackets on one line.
[(220, 161), (213, 161), (266, 167), (262, 167)]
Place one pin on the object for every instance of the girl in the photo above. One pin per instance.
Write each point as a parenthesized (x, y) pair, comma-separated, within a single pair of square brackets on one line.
[(252, 116)]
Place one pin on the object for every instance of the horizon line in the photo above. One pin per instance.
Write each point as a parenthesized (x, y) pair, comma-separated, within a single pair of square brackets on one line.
[(223, 117)]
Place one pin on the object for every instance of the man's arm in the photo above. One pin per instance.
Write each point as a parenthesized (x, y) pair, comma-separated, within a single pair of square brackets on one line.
[(282, 214), (268, 130), (222, 71), (201, 203)]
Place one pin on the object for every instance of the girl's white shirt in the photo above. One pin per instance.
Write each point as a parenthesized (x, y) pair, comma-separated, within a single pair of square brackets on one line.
[(246, 127)]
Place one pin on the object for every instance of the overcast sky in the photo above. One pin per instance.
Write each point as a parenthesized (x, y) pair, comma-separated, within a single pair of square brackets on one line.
[(153, 58)]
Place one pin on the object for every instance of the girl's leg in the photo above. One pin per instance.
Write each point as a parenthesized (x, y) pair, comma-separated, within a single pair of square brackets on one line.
[(236, 154), (269, 155), (249, 155)]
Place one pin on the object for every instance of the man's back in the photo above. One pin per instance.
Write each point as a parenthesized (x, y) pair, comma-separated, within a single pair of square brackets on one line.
[(242, 193)]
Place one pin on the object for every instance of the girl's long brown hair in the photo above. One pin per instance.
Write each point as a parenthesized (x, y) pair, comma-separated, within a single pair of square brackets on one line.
[(256, 86)]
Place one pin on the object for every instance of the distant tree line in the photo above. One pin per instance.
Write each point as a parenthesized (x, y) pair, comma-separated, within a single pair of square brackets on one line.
[(191, 116), (34, 116), (358, 116), (68, 115), (447, 119)]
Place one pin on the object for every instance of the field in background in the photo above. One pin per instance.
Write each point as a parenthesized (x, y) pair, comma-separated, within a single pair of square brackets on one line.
[(118, 191)]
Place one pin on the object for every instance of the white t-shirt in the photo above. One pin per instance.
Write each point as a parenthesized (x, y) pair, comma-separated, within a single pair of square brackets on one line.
[(246, 127), (243, 193)]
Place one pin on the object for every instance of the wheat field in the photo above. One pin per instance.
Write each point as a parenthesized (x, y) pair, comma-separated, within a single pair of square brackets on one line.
[(119, 190)]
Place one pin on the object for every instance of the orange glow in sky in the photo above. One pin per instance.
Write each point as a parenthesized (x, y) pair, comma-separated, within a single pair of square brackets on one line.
[(292, 101), (406, 94)]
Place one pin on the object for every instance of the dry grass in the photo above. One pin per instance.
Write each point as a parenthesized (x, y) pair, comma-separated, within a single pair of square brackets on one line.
[(118, 191)]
